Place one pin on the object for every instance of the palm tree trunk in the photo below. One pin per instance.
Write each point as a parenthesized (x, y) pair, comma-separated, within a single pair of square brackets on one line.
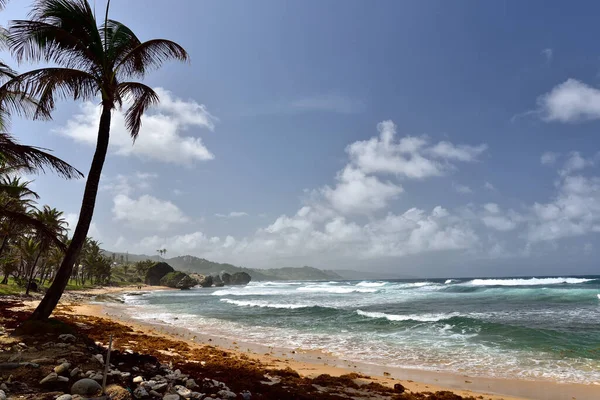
[(32, 272), (50, 300)]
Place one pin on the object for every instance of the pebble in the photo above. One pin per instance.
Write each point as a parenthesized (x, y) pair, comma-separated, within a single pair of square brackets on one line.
[(86, 387), (67, 337), (138, 379), (183, 391), (191, 384), (171, 397), (74, 372), (2, 395), (99, 358), (140, 393), (246, 395), (4, 387), (51, 377), (64, 367), (65, 397), (97, 377), (227, 394)]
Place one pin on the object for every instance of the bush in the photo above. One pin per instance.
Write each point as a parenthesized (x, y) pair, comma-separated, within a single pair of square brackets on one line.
[(172, 279)]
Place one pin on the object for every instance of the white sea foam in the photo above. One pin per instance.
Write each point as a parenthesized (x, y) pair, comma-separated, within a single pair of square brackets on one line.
[(264, 304), (448, 281), (527, 282), (335, 289), (409, 317), (371, 284), (598, 296), (255, 291)]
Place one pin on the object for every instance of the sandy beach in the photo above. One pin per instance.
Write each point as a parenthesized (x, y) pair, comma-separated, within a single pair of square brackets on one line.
[(312, 364)]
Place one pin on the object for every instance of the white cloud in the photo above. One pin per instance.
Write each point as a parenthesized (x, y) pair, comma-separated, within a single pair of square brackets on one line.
[(549, 158), (449, 151), (162, 136), (570, 101), (494, 217), (72, 219), (312, 234), (575, 162), (548, 53), (147, 212), (410, 156), (462, 189), (233, 214), (356, 192), (489, 187), (127, 184), (575, 211)]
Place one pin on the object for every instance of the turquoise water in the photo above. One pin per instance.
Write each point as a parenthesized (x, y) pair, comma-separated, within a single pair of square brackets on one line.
[(529, 328)]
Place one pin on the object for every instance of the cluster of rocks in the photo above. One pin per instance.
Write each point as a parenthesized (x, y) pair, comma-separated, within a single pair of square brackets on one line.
[(163, 274), (222, 279), (174, 385), (80, 375)]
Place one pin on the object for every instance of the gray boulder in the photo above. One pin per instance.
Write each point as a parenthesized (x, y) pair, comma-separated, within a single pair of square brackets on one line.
[(226, 278), (86, 387), (155, 273), (186, 283), (217, 282), (240, 278), (206, 281)]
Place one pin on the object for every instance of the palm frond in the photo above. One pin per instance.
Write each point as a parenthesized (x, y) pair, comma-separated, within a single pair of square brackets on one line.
[(13, 101), (119, 41), (34, 158), (3, 4), (49, 84), (148, 56), (26, 219), (34, 40), (62, 31), (141, 97)]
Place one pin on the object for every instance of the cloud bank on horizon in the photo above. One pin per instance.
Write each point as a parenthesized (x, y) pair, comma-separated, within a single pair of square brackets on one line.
[(349, 219)]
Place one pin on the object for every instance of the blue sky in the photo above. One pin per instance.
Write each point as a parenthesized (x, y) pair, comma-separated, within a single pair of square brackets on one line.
[(275, 146)]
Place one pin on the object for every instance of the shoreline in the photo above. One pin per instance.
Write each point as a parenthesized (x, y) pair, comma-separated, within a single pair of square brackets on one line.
[(313, 363)]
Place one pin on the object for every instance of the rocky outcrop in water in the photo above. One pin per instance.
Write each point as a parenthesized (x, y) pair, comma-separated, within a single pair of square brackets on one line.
[(226, 278), (240, 278), (156, 272), (186, 283)]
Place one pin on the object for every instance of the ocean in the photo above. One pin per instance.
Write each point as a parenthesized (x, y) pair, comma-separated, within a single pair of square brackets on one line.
[(543, 328)]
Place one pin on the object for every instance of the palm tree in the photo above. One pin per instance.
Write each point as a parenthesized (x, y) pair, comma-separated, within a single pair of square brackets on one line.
[(93, 61), (54, 222)]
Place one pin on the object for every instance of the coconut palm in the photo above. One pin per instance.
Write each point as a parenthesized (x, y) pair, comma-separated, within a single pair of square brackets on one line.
[(93, 62), (54, 222)]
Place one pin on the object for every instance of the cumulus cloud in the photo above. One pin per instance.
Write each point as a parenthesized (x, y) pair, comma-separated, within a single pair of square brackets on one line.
[(232, 214), (355, 192), (570, 101), (549, 158), (462, 189), (309, 232), (165, 135), (489, 186), (410, 156), (147, 212), (575, 162), (127, 184), (72, 219), (574, 211), (493, 217)]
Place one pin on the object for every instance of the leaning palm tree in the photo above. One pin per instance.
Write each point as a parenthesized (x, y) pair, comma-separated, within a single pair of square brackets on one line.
[(93, 62)]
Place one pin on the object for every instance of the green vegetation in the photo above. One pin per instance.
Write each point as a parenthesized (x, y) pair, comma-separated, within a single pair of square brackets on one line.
[(172, 278)]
